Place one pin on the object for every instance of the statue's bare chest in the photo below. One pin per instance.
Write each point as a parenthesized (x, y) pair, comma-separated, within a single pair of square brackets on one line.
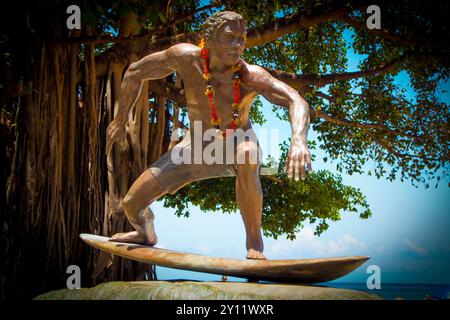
[(194, 86)]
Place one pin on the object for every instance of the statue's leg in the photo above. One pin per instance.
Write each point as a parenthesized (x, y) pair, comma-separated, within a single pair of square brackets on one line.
[(142, 193), (163, 176), (249, 198)]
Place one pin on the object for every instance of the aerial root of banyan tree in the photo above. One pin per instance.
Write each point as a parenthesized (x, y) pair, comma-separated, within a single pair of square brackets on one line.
[(61, 183)]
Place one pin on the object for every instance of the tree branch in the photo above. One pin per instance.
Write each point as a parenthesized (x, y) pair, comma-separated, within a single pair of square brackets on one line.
[(389, 148), (383, 33), (180, 124), (99, 39), (292, 23), (353, 124), (314, 113), (299, 81), (185, 17), (326, 96), (143, 45), (258, 36), (273, 178)]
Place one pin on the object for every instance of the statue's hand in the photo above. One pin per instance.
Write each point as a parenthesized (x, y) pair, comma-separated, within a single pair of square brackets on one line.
[(115, 132), (298, 157)]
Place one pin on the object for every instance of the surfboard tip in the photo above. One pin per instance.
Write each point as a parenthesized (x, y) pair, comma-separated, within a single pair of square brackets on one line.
[(86, 237)]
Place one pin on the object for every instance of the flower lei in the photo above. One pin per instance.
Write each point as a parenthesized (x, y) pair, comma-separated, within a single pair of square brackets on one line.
[(209, 92)]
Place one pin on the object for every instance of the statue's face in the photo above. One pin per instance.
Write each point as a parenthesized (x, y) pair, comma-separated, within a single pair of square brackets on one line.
[(228, 42)]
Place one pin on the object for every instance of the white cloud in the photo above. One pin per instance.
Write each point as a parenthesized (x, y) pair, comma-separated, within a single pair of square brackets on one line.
[(345, 244), (421, 251), (307, 245)]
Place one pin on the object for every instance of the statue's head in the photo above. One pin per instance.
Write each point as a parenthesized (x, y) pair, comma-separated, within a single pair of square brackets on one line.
[(225, 34)]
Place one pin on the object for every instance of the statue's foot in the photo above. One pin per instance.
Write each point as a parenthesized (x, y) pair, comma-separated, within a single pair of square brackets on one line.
[(255, 255), (135, 237)]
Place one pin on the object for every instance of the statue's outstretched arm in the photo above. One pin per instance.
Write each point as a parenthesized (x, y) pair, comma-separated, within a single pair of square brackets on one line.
[(281, 94), (154, 66)]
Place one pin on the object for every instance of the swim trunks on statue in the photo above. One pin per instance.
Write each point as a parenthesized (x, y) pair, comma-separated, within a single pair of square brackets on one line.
[(196, 159)]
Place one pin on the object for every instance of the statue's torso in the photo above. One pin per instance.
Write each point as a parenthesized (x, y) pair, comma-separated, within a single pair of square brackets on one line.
[(198, 107)]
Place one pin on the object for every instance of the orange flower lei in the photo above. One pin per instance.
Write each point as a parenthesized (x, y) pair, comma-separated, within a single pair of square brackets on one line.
[(209, 92)]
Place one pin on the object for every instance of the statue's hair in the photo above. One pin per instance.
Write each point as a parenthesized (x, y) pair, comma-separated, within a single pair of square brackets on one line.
[(216, 20)]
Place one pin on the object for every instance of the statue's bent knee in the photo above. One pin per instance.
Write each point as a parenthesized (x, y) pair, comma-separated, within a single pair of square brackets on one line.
[(248, 153)]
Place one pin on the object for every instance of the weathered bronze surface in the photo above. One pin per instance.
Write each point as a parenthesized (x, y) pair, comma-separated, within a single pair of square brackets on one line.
[(225, 36)]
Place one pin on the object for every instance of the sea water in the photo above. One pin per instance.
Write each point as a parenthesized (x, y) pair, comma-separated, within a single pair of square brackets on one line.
[(391, 291)]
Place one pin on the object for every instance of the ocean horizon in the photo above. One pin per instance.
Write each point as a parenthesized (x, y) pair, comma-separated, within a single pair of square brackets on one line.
[(394, 291), (388, 290)]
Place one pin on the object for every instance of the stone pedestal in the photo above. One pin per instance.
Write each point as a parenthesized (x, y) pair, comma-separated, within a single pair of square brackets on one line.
[(190, 290)]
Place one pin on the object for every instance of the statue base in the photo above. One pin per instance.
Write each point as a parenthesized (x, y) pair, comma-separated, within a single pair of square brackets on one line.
[(190, 290)]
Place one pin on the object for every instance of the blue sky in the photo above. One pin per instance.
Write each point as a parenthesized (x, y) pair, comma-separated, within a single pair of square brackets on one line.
[(407, 235)]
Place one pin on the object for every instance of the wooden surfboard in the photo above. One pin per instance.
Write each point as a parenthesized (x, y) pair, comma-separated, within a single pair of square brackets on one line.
[(295, 271)]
